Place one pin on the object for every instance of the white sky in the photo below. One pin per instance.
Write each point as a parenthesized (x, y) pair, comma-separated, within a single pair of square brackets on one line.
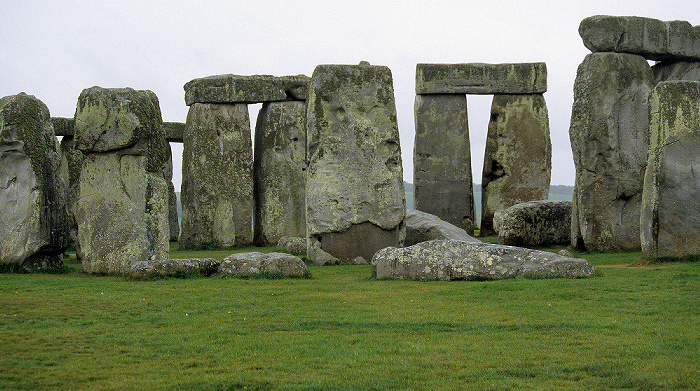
[(55, 49)]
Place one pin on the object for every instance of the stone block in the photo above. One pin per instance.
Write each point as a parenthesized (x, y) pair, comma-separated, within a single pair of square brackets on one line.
[(534, 223), (479, 78), (422, 227), (174, 131), (246, 89), (63, 126)]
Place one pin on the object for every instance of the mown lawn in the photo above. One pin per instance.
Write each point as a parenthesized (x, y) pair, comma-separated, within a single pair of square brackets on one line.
[(631, 328)]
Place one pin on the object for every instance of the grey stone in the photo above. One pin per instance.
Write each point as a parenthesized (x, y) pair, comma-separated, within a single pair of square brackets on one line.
[(448, 260), (354, 191), (122, 207), (33, 216), (609, 138), (246, 89), (217, 177), (63, 126), (518, 155), (255, 263), (71, 164), (479, 78), (174, 131), (292, 244), (442, 172), (672, 70), (534, 223), (279, 170), (565, 253), (175, 267), (173, 220), (422, 227), (670, 218), (651, 38)]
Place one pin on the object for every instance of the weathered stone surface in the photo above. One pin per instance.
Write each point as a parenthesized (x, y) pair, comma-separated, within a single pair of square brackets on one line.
[(122, 207), (33, 216), (534, 223), (422, 227), (279, 171), (217, 177), (71, 164), (173, 221), (255, 263), (670, 219), (672, 70), (479, 78), (354, 191), (518, 155), (651, 38), (174, 131), (246, 89), (448, 260), (442, 168), (175, 267), (292, 244), (609, 126), (63, 126)]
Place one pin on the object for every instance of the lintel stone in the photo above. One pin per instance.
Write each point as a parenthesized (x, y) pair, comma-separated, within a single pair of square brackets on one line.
[(231, 88), (64, 127), (481, 79)]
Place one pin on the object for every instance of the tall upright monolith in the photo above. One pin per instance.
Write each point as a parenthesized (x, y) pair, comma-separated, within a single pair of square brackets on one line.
[(355, 201)]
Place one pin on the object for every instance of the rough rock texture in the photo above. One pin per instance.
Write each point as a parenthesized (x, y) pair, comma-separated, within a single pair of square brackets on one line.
[(354, 191), (478, 78), (671, 70), (63, 126), (175, 267), (421, 227), (442, 168), (173, 221), (534, 223), (255, 263), (609, 125), (279, 171), (292, 244), (71, 164), (448, 260), (33, 216), (245, 89), (651, 38), (518, 155), (670, 219), (122, 207), (217, 177)]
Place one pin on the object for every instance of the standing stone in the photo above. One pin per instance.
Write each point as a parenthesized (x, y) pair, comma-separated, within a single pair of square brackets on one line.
[(71, 164), (33, 217), (355, 201), (217, 177), (670, 219), (442, 172), (122, 207), (173, 222), (279, 170), (671, 70), (609, 125), (518, 156)]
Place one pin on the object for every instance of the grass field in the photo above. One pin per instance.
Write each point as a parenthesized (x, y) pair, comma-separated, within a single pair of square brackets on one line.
[(631, 328)]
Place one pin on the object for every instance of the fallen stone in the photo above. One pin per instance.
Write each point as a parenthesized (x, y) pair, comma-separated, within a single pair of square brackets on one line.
[(565, 253), (534, 223), (291, 244), (448, 260), (651, 38), (442, 172), (609, 138), (175, 267), (518, 155), (670, 220), (422, 227), (479, 78), (34, 229), (255, 263), (246, 89)]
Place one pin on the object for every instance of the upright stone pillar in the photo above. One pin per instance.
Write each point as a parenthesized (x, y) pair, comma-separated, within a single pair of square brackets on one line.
[(670, 218), (217, 177), (173, 222), (355, 201), (442, 173), (33, 217), (279, 172), (71, 164), (122, 207), (518, 155), (609, 138)]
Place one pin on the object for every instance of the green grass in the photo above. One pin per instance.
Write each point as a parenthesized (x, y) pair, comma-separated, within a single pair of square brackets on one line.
[(633, 328)]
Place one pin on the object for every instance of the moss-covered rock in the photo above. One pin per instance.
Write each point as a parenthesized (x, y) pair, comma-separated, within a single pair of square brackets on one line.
[(33, 215), (71, 164), (479, 78), (676, 70), (245, 89)]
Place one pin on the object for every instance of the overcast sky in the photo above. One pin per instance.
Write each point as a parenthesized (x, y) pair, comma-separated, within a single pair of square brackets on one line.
[(55, 49)]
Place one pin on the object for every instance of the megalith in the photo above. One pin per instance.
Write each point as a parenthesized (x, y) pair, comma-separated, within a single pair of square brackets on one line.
[(676, 70), (279, 170), (355, 201), (518, 155), (609, 138), (33, 216), (442, 173), (670, 218), (173, 221), (122, 207), (71, 164), (217, 177)]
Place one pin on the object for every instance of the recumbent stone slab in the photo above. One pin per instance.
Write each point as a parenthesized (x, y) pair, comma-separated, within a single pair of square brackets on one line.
[(534, 223), (245, 89), (479, 78), (422, 227), (256, 263)]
